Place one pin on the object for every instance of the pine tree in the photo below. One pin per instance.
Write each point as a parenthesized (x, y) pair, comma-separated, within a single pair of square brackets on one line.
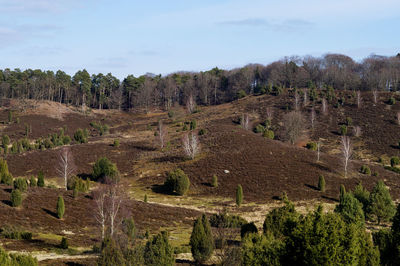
[(321, 183), (201, 241), (16, 198), (158, 251), (381, 205), (350, 209), (110, 254), (214, 182), (33, 182), (342, 192), (60, 207), (40, 181), (239, 195)]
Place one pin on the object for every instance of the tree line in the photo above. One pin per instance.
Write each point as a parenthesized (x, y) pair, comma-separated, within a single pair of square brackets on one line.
[(105, 91)]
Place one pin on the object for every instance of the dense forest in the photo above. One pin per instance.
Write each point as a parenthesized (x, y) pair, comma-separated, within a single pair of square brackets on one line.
[(208, 88)]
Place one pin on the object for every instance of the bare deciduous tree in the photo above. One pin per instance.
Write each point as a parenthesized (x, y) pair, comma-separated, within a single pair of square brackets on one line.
[(162, 134), (191, 145), (245, 121), (324, 107), (114, 201), (318, 149), (359, 99), (66, 166), (190, 104), (357, 131), (313, 117), (294, 124), (398, 118), (99, 197), (346, 151), (375, 96), (296, 101), (305, 101), (270, 113)]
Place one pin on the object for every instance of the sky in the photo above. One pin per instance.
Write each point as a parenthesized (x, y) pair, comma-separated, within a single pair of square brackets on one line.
[(158, 36)]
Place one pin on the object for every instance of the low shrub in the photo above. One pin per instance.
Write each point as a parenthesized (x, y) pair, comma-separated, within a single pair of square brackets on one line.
[(394, 161), (64, 243), (40, 179), (365, 170), (77, 183), (311, 146), (269, 134), (343, 130), (21, 184), (116, 143), (214, 182), (392, 101), (321, 183), (248, 229), (80, 136), (33, 182), (259, 129), (177, 182), (224, 220), (11, 232), (193, 124), (202, 132)]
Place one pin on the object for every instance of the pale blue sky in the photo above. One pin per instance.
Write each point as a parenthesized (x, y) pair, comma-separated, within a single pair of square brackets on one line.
[(134, 37)]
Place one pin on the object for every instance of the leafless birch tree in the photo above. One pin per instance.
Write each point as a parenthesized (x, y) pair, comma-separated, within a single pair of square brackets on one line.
[(375, 96), (191, 145), (305, 101), (359, 99), (294, 124), (296, 101), (245, 121), (113, 202), (66, 166), (346, 151), (318, 149), (357, 131), (100, 197), (190, 104), (398, 118), (313, 117), (324, 107), (162, 134), (270, 114)]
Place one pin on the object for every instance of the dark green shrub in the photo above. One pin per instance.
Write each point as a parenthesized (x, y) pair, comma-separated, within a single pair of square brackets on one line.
[(321, 183), (5, 141), (394, 161), (66, 140), (102, 129), (33, 182), (224, 220), (116, 143), (16, 198), (185, 127), (259, 129), (20, 184), (145, 198), (202, 132), (350, 209), (64, 243), (193, 124), (269, 134), (60, 207), (343, 130), (311, 146), (78, 183), (104, 168), (14, 147), (201, 240), (248, 229), (392, 101), (158, 251), (10, 116), (214, 182), (178, 182), (80, 136), (11, 232), (241, 94), (40, 179), (170, 114), (7, 179), (239, 195), (362, 195), (365, 170), (349, 121)]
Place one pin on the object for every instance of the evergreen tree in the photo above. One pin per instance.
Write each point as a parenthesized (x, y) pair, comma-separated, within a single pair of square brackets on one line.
[(201, 240), (177, 181), (262, 250), (239, 195), (158, 251), (321, 183), (129, 229), (16, 198), (350, 209), (110, 254), (60, 207), (104, 168), (342, 192), (40, 182), (214, 182), (33, 182), (381, 206), (362, 195)]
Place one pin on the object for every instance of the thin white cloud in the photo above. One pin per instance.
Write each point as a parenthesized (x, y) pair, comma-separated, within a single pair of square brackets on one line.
[(38, 6)]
